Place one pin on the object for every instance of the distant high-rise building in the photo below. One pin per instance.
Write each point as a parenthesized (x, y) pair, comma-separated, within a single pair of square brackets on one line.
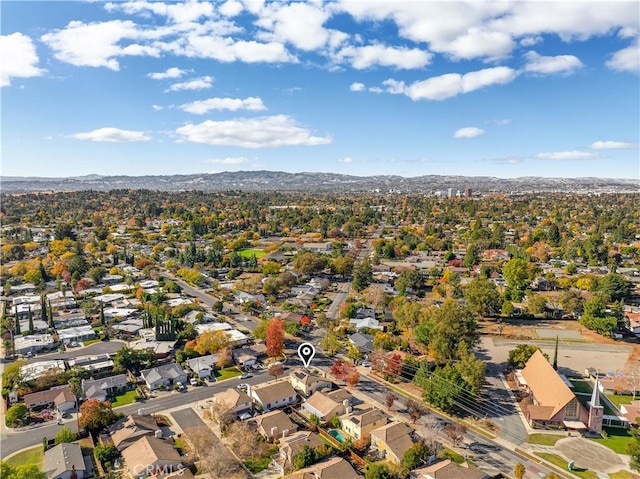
[(450, 192), (467, 193)]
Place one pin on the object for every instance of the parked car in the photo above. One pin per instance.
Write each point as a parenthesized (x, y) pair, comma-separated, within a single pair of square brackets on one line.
[(180, 386), (193, 382), (242, 386), (245, 376)]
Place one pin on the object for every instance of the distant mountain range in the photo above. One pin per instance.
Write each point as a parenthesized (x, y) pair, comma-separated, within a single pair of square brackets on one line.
[(318, 183)]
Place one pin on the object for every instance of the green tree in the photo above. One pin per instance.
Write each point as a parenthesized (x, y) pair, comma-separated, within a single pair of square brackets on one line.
[(362, 275), (416, 455), (472, 256), (261, 330), (423, 333), (409, 279), (133, 360), (342, 265), (306, 457), (482, 297), (454, 324), (378, 470), (105, 452), (536, 303), (15, 415), (519, 356), (309, 263), (444, 388), (633, 449), (571, 302), (26, 471), (65, 435), (472, 370), (516, 274), (614, 287)]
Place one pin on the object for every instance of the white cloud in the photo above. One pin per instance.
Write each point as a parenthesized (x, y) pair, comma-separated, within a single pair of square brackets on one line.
[(530, 41), (112, 135), (500, 122), (369, 56), (509, 160), (627, 59), (195, 84), (357, 86), (263, 132), (19, 58), (451, 84), (201, 107), (229, 160), (562, 63), (231, 8), (614, 145), (178, 12), (346, 159), (298, 23), (94, 44), (468, 132), (566, 155), (157, 107), (173, 72)]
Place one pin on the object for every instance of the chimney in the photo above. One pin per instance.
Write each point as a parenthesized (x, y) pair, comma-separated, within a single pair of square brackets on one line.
[(74, 474)]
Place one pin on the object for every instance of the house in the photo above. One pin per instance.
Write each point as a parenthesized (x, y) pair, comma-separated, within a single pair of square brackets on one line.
[(245, 357), (317, 247), (149, 455), (332, 468), (447, 469), (76, 334), (33, 343), (96, 365), (131, 428), (59, 397), (393, 440), (364, 342), (165, 375), (631, 411), (308, 383), (204, 366), (37, 369), (326, 405), (275, 425), (358, 424), (362, 323), (273, 395), (65, 461), (100, 389), (554, 403), (236, 400), (292, 445)]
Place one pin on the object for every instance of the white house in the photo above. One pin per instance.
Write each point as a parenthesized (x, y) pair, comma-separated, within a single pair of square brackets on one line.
[(273, 395)]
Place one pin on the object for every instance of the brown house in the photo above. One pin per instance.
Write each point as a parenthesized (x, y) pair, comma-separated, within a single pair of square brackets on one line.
[(553, 402)]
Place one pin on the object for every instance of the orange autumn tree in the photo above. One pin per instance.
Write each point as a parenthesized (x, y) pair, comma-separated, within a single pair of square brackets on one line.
[(275, 337)]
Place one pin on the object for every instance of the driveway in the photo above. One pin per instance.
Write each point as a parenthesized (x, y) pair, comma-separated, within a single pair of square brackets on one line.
[(589, 455)]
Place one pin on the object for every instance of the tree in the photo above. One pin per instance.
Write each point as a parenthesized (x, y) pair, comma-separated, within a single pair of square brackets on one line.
[(275, 338), (444, 388), (105, 452), (378, 470), (519, 356), (342, 265), (15, 415), (353, 378), (211, 342), (536, 303), (614, 287), (555, 355), (26, 471), (389, 399), (276, 370), (308, 263), (127, 359), (633, 449), (455, 431), (454, 324), (516, 274), (423, 333), (471, 257), (304, 458), (96, 415), (571, 302), (519, 470), (415, 410), (482, 297), (408, 279), (472, 370), (362, 275), (213, 457), (65, 435), (416, 455)]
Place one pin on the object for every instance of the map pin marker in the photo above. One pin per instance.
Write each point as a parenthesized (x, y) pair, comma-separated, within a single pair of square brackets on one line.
[(306, 351)]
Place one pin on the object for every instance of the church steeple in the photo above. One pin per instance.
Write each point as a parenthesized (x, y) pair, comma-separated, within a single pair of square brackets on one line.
[(595, 396)]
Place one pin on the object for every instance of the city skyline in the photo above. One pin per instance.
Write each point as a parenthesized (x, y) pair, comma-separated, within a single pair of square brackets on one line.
[(503, 89)]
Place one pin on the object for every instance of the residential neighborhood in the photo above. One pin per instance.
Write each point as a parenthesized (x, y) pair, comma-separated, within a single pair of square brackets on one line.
[(445, 345)]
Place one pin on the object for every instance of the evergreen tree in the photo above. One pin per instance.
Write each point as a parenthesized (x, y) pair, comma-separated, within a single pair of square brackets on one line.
[(102, 320), (555, 356), (51, 324), (31, 328), (17, 324), (43, 309)]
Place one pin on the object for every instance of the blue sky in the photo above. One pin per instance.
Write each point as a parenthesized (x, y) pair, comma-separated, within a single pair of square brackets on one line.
[(500, 88)]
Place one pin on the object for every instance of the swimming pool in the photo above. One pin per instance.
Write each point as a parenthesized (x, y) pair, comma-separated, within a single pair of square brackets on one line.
[(337, 434)]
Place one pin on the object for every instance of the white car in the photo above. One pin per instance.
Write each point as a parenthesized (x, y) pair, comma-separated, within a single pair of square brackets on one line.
[(242, 386), (193, 381)]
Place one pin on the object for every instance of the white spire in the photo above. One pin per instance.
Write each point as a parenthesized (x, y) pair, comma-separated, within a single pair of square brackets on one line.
[(595, 396)]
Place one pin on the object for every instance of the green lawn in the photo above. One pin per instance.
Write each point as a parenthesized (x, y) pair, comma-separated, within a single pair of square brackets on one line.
[(227, 373), (622, 475), (544, 439), (246, 253), (562, 463), (35, 455), (124, 398), (451, 455), (581, 386), (619, 399), (262, 463), (618, 439), (91, 341)]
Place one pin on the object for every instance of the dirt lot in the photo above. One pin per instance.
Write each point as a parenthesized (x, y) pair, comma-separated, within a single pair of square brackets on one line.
[(574, 356)]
